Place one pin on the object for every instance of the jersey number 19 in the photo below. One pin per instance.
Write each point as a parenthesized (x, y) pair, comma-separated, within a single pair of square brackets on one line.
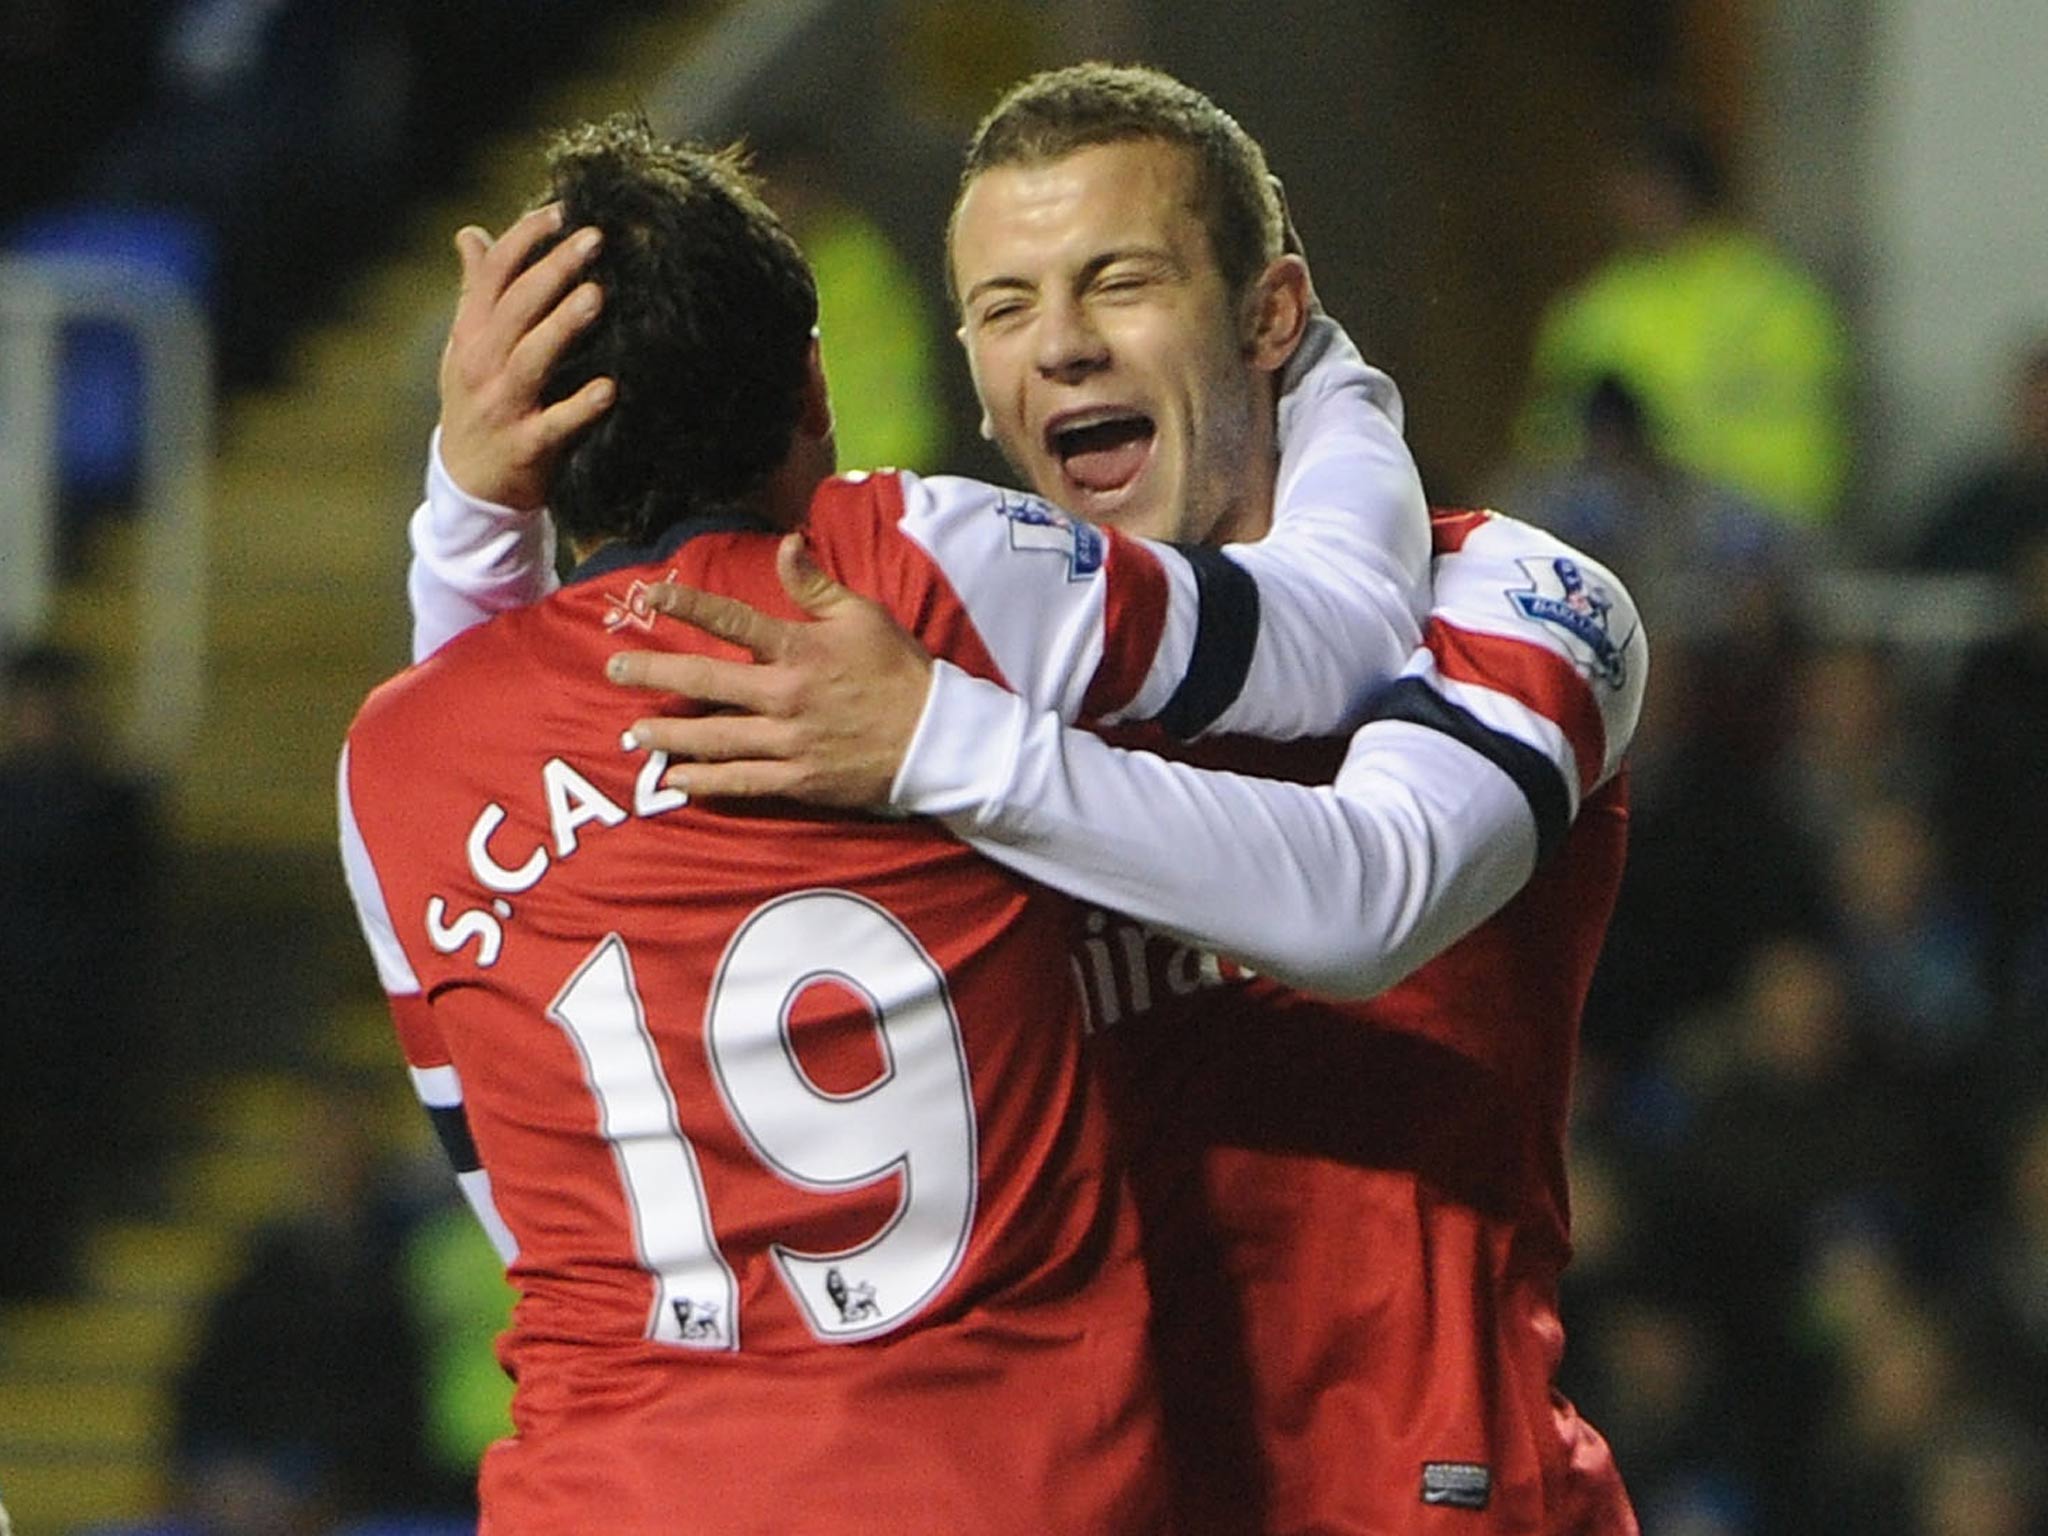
[(915, 1121)]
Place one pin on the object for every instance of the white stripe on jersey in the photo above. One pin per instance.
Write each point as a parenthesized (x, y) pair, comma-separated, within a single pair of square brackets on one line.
[(394, 971), (437, 1087), (476, 1189)]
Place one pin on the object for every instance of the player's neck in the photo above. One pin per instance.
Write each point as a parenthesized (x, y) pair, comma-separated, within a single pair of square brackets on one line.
[(1246, 523)]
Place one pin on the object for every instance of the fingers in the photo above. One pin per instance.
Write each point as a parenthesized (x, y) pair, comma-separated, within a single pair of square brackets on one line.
[(472, 245), (508, 253), (565, 418), (539, 288), (714, 738), (726, 617), (812, 590), (739, 684), (748, 780), (541, 346), (487, 264), (500, 313)]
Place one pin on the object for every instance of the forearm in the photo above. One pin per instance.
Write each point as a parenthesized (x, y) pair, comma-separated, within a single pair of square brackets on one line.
[(471, 559), (1340, 889), (1343, 577)]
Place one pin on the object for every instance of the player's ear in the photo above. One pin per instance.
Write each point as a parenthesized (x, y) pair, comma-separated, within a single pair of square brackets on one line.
[(1276, 312), (988, 426)]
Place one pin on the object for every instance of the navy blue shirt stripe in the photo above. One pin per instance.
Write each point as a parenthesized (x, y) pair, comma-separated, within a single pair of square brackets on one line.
[(451, 1125), (1412, 700), (1226, 629)]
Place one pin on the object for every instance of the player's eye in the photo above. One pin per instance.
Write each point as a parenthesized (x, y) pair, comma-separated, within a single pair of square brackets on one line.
[(1000, 312)]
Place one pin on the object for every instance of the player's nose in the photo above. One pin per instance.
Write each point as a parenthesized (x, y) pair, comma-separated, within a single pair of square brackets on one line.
[(1069, 345)]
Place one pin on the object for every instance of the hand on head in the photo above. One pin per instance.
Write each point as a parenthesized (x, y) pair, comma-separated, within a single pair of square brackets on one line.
[(512, 324)]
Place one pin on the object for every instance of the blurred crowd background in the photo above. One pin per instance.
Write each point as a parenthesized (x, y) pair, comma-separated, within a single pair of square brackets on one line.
[(1744, 296)]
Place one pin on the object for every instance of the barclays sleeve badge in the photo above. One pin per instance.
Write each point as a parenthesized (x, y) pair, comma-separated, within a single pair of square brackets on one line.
[(1036, 524), (1561, 596)]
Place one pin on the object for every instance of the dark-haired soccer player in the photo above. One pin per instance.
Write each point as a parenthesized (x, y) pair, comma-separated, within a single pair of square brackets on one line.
[(781, 1120)]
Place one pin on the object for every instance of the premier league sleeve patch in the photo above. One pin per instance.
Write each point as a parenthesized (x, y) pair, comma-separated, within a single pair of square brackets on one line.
[(1039, 525), (1564, 599)]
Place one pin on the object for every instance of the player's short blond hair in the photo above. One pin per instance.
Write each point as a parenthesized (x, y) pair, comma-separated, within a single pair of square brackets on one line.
[(1055, 113)]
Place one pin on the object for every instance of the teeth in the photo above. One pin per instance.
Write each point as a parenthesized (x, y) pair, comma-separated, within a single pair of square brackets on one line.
[(1094, 419)]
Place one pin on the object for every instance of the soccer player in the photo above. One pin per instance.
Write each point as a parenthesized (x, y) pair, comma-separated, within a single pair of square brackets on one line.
[(1367, 1203), (781, 1122), (1354, 1234), (1355, 1215)]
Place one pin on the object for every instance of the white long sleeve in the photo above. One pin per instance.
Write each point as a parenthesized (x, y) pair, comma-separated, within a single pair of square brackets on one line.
[(471, 559), (1341, 889), (1521, 703), (1343, 576)]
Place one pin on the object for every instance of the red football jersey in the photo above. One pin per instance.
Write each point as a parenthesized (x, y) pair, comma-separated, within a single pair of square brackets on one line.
[(1356, 1214), (783, 1117)]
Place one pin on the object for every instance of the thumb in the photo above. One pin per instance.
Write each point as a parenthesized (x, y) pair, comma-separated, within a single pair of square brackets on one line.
[(808, 586), (471, 246)]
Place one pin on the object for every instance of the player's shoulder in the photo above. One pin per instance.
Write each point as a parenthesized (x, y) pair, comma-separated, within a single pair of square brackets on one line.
[(1511, 581), (1509, 576), (432, 693), (958, 522), (931, 499)]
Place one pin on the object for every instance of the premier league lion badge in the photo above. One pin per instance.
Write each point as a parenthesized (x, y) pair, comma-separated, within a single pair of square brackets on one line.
[(1039, 525), (1561, 596)]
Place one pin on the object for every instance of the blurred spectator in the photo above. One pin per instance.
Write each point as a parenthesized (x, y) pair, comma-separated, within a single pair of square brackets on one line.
[(1702, 563), (1980, 1476), (1914, 953), (879, 335), (2002, 1266), (305, 1388), (2001, 504), (1738, 357), (1790, 1121), (1713, 857), (278, 123), (78, 860), (1851, 741), (1898, 1385), (1659, 1371), (1701, 1506), (70, 70), (1995, 744)]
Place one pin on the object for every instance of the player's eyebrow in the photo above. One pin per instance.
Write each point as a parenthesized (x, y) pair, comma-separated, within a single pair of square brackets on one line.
[(1142, 255)]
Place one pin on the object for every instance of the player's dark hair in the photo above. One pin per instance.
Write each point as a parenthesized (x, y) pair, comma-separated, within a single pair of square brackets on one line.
[(1055, 113), (709, 309)]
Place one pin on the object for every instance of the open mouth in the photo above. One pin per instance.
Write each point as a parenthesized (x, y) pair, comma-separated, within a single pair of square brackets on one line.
[(1102, 452)]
